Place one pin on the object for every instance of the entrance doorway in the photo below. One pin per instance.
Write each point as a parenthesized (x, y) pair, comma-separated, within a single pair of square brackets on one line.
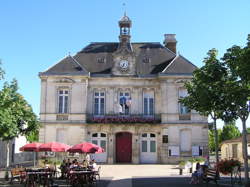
[(148, 148), (123, 147)]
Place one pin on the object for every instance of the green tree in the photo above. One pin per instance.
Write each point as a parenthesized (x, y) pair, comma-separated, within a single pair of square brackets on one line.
[(229, 131), (237, 59), (248, 130), (16, 115), (205, 90), (211, 142)]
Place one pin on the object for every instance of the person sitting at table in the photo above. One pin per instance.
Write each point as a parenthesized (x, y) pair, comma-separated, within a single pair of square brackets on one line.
[(73, 165), (84, 163), (68, 163), (46, 164), (63, 168), (93, 165)]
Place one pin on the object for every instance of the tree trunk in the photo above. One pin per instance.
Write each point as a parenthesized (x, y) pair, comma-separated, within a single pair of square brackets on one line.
[(216, 141), (8, 153), (244, 148)]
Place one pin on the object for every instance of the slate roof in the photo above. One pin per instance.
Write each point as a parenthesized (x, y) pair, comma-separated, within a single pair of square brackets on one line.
[(85, 61)]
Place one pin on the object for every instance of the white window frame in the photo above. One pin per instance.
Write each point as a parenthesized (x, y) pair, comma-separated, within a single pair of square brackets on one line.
[(99, 139), (148, 95), (127, 95), (100, 96), (182, 94), (64, 95)]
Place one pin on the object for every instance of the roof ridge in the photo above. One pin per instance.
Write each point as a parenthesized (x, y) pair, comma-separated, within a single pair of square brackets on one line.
[(170, 63), (78, 64)]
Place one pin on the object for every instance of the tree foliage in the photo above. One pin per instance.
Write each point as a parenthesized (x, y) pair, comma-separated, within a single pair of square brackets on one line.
[(206, 91), (211, 142), (16, 115), (230, 131)]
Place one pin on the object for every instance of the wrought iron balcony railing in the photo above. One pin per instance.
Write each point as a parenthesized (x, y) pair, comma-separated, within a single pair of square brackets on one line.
[(132, 118)]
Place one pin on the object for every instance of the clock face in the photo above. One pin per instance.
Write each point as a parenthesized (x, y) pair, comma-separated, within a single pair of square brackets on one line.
[(123, 64)]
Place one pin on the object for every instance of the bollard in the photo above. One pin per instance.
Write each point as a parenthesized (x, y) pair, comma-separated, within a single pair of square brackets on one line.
[(181, 171)]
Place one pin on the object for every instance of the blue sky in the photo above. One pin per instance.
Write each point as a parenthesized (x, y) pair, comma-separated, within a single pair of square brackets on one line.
[(34, 35)]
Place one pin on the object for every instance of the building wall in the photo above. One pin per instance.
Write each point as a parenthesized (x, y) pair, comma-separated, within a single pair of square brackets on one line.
[(227, 151), (81, 91)]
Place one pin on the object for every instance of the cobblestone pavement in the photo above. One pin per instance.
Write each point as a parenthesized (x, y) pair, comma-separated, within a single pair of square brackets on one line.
[(135, 176)]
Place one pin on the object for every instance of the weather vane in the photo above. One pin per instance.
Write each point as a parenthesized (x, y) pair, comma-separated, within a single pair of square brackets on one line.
[(124, 8)]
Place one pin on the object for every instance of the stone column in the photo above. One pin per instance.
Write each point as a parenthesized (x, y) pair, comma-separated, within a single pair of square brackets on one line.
[(111, 144)]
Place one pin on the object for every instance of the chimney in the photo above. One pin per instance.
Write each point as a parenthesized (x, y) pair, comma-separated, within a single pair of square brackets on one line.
[(170, 42)]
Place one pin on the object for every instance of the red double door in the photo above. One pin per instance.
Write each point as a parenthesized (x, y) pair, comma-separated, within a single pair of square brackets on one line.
[(123, 147)]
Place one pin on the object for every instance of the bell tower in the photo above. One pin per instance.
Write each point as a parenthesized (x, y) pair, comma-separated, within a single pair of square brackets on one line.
[(124, 57), (124, 37)]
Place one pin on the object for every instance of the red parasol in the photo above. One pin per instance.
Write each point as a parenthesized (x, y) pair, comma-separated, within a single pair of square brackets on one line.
[(31, 147), (54, 147), (86, 147)]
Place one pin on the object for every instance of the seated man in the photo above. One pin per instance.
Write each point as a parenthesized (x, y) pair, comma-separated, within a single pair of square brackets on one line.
[(63, 168)]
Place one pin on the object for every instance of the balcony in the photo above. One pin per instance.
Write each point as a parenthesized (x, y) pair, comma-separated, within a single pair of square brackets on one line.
[(132, 118)]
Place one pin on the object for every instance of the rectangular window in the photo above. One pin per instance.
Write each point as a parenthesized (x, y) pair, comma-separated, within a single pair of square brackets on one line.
[(165, 139), (148, 102), (125, 102), (99, 103), (182, 108), (63, 98), (144, 146), (94, 142), (103, 145), (152, 146)]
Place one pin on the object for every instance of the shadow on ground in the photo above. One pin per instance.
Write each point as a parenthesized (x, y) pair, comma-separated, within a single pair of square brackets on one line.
[(104, 182), (167, 181)]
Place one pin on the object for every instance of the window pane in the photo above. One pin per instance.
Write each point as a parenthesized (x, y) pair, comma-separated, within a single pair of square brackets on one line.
[(61, 92), (152, 146), (165, 139), (144, 135), (152, 135), (121, 94), (126, 94), (145, 106), (94, 135), (60, 104), (66, 91), (144, 146), (94, 142), (151, 106), (102, 106), (103, 135), (126, 110), (96, 109), (65, 104), (96, 93), (102, 93), (103, 145)]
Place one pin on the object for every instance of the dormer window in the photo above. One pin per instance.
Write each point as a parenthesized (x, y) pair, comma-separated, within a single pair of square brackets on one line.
[(101, 60), (146, 60)]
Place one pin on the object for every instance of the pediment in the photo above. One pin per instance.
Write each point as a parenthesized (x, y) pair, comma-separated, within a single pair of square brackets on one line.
[(65, 80)]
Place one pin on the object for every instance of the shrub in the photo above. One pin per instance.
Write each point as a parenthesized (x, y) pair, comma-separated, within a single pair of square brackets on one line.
[(226, 166)]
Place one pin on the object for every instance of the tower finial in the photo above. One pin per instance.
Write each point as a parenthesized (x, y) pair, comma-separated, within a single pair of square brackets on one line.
[(124, 7)]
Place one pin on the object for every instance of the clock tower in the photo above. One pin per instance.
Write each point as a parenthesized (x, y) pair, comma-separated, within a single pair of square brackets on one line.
[(124, 58)]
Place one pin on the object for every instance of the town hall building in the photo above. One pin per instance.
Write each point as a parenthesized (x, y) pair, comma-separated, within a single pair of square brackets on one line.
[(123, 96)]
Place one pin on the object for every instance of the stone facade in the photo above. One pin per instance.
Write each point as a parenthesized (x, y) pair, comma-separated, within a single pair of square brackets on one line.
[(94, 100)]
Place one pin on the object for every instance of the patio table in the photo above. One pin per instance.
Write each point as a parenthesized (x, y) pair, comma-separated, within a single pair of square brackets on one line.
[(81, 177), (35, 178)]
